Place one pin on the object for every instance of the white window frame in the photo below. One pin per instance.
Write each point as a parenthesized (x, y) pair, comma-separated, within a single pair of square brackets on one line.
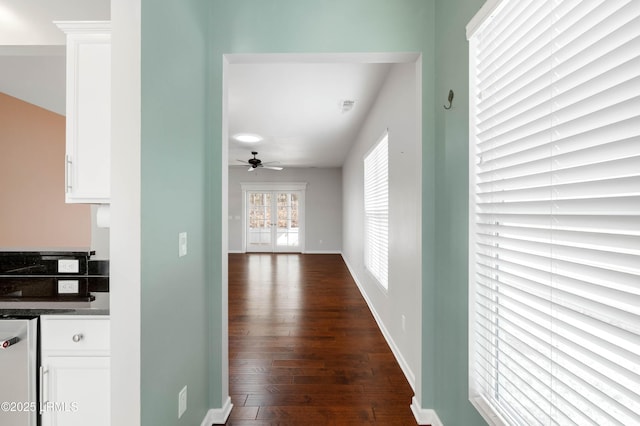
[(376, 238), (625, 332)]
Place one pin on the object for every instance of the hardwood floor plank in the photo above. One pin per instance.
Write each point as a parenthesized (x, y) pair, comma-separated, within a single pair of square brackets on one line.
[(260, 379), (299, 361), (346, 399), (244, 413), (304, 349), (318, 414)]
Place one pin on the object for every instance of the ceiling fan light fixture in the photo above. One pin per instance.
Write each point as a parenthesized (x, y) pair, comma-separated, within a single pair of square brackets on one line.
[(255, 163), (247, 137)]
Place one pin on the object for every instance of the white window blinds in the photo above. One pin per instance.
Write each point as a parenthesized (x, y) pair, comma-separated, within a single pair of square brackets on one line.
[(376, 207), (555, 213)]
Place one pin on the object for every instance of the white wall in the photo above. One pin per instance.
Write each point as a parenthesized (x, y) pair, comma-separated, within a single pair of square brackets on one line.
[(396, 109), (323, 210), (125, 246), (99, 236)]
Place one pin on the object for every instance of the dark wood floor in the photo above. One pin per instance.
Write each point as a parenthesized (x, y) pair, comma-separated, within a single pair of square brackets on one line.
[(304, 348)]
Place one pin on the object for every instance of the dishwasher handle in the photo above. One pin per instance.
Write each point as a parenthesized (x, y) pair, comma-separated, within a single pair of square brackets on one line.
[(4, 344)]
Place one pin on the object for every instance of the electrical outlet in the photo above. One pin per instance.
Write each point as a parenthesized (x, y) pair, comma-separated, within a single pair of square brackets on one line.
[(69, 266), (182, 244), (182, 401), (68, 287)]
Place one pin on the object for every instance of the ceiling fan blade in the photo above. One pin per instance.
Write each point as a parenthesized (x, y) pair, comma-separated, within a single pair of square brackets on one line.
[(272, 167), (270, 162)]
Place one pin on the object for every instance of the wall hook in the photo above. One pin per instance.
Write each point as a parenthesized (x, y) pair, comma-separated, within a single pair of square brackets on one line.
[(450, 99)]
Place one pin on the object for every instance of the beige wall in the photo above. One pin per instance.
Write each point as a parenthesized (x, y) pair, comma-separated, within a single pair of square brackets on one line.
[(33, 213)]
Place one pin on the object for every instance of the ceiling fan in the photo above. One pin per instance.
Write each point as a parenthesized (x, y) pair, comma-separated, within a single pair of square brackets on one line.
[(255, 163)]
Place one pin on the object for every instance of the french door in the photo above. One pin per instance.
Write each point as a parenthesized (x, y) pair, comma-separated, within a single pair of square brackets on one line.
[(273, 221)]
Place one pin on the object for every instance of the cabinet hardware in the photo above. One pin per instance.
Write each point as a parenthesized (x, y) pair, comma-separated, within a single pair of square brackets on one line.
[(8, 342), (68, 174), (41, 399), (77, 337)]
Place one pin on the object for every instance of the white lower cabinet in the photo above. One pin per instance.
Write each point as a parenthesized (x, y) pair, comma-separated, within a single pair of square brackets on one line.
[(75, 371)]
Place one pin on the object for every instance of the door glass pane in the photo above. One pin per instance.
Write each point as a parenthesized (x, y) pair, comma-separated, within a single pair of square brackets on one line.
[(288, 227), (259, 232)]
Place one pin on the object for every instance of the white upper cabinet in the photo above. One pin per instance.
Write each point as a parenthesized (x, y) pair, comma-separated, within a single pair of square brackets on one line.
[(88, 108)]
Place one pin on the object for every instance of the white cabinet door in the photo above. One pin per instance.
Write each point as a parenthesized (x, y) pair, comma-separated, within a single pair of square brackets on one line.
[(88, 130), (76, 391), (75, 370)]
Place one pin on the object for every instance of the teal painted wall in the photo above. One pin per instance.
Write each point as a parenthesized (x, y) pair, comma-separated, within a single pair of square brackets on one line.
[(182, 47), (275, 26), (174, 313), (452, 206)]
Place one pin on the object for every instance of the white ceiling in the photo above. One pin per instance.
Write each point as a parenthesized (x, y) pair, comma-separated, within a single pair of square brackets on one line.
[(293, 104), (32, 53), (296, 108), (29, 22)]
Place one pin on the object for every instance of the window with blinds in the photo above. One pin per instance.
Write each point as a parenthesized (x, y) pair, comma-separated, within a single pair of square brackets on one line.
[(376, 211), (555, 212)]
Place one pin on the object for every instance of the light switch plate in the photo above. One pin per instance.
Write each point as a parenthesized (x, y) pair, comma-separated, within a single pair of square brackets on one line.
[(182, 244), (69, 266)]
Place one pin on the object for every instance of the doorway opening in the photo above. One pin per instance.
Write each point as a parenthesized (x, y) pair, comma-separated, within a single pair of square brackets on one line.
[(250, 210)]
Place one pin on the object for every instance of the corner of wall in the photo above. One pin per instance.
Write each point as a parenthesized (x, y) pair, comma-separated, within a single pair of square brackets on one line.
[(404, 366), (34, 213), (218, 416), (424, 416)]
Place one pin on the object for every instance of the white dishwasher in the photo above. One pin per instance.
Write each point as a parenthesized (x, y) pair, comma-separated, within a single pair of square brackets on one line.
[(18, 371)]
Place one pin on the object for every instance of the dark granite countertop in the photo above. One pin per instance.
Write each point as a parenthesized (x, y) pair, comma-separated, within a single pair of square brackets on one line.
[(100, 306), (46, 252), (4, 313)]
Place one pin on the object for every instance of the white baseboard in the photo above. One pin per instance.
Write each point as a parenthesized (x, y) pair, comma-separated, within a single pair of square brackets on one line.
[(408, 373), (218, 416), (424, 416), (235, 251)]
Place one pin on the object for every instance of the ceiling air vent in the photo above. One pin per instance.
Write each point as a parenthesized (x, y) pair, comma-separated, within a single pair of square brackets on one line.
[(346, 105)]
